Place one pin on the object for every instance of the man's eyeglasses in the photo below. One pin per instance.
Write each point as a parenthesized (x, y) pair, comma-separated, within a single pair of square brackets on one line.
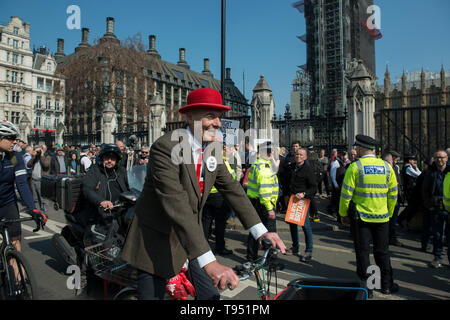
[(145, 152), (441, 157)]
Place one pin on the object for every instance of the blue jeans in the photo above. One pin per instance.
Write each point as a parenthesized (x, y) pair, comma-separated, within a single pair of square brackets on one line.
[(438, 227), (306, 230)]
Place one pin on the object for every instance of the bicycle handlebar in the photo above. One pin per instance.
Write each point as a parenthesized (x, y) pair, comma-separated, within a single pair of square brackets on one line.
[(247, 268), (8, 222)]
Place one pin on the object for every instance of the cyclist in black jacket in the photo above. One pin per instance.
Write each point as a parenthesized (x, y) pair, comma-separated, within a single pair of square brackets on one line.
[(13, 173)]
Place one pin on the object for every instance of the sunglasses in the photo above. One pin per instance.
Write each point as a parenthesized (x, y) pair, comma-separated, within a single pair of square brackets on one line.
[(11, 138), (146, 152)]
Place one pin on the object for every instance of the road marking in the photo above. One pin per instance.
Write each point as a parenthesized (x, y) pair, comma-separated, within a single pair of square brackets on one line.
[(51, 225), (40, 233)]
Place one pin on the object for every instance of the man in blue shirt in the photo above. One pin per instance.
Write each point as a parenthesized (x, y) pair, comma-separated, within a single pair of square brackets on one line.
[(13, 172)]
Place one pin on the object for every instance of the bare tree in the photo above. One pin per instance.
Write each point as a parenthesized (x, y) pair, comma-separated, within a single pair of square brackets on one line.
[(107, 72)]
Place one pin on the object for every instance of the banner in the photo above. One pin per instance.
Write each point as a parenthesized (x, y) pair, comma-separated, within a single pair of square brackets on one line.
[(230, 131), (297, 210)]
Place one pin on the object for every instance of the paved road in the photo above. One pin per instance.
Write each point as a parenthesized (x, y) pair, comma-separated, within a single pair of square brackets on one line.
[(333, 256)]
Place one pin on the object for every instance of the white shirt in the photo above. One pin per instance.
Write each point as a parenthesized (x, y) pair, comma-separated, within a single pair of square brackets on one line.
[(256, 231), (85, 161), (333, 167), (412, 172)]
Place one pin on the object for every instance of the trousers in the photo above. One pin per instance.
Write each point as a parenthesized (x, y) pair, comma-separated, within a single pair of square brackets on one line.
[(379, 233), (270, 224)]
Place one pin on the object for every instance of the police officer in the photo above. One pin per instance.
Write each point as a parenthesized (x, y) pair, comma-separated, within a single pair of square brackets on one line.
[(368, 198), (262, 190)]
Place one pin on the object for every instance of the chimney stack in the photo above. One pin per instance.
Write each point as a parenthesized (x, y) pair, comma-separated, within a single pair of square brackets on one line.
[(85, 35), (60, 46), (206, 70), (84, 39), (60, 51), (109, 35), (182, 61), (110, 25), (228, 73), (152, 46)]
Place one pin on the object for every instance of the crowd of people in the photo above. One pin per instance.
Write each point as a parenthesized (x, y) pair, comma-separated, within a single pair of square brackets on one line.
[(373, 193)]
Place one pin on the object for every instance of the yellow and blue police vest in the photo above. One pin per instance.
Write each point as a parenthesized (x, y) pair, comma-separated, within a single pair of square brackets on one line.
[(372, 185), (446, 198), (230, 170), (263, 183)]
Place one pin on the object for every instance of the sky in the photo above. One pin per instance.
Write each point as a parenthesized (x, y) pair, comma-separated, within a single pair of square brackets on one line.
[(261, 35)]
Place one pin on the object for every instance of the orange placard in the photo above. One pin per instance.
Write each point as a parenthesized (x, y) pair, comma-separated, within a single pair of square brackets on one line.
[(297, 210)]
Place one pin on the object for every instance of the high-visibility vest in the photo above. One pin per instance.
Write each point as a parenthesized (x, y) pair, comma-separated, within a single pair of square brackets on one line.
[(263, 183), (446, 198), (230, 170), (372, 185)]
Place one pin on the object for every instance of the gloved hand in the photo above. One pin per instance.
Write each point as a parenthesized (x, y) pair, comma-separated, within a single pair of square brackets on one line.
[(40, 219), (179, 287)]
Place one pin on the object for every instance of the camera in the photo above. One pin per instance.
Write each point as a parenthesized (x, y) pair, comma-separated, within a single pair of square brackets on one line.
[(131, 143)]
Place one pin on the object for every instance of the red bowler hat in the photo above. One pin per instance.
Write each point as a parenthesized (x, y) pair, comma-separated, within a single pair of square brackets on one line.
[(204, 98)]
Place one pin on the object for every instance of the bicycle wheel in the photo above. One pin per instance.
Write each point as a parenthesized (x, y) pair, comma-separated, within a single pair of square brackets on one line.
[(22, 283)]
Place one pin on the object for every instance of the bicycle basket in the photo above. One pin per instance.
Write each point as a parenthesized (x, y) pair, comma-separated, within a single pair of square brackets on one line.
[(100, 257), (106, 263)]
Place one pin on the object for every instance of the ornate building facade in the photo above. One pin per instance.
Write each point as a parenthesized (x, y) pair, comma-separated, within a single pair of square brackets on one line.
[(31, 94), (413, 114), (165, 87)]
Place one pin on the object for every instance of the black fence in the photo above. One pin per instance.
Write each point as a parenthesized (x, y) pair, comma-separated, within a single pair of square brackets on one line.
[(42, 137), (414, 130), (324, 132), (81, 139)]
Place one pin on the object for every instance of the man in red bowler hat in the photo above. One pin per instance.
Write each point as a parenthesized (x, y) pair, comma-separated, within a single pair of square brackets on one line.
[(166, 230)]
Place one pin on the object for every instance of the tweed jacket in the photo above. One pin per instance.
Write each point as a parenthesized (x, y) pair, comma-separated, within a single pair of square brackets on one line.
[(166, 228)]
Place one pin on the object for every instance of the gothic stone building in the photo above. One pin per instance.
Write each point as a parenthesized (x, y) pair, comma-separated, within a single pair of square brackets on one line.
[(413, 114)]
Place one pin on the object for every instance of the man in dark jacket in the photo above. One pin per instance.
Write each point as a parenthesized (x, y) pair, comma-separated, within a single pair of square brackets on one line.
[(59, 163), (434, 214), (104, 183), (302, 185)]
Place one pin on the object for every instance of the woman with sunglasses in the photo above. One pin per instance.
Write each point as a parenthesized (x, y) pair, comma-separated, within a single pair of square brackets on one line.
[(13, 173)]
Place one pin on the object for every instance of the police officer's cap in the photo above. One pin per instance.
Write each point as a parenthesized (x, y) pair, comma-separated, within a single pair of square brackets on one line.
[(365, 142), (410, 156)]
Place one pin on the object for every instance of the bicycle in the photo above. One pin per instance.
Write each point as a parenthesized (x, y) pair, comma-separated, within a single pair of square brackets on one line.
[(300, 288), (17, 281)]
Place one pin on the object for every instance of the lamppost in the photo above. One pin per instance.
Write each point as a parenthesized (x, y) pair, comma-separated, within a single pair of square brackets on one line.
[(287, 119), (222, 69)]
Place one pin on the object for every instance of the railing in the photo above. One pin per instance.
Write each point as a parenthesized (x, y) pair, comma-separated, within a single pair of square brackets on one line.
[(416, 130)]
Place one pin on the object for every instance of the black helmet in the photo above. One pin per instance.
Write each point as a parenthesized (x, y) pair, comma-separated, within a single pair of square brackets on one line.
[(110, 148)]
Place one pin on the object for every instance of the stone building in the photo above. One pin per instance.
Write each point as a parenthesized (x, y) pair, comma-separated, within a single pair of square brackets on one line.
[(166, 86), (31, 94), (413, 114)]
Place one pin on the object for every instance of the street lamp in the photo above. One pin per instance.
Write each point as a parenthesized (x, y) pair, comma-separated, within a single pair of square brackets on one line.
[(287, 118)]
